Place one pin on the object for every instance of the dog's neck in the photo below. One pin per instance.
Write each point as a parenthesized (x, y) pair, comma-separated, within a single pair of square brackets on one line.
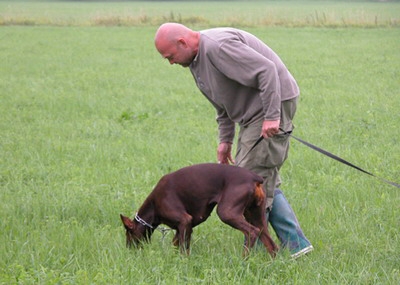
[(146, 216), (143, 222)]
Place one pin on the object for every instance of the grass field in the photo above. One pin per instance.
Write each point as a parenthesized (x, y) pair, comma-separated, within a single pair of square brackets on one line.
[(216, 13), (92, 117)]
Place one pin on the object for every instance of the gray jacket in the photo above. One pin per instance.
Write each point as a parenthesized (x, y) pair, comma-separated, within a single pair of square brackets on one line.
[(242, 77)]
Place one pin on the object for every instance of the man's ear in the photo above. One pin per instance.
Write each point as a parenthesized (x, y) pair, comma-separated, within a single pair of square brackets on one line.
[(182, 42), (127, 222)]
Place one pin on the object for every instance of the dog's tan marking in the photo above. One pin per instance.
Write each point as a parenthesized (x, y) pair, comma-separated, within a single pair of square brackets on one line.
[(259, 194)]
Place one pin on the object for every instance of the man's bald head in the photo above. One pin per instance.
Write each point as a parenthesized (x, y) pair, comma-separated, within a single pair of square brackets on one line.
[(171, 32), (177, 43)]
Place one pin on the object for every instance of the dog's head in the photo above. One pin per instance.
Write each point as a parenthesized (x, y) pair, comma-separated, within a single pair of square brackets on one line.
[(133, 235)]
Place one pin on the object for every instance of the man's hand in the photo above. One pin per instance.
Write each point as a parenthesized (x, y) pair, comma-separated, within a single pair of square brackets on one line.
[(224, 153), (270, 128)]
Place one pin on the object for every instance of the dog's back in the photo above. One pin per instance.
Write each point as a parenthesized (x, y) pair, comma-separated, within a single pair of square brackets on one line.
[(206, 177)]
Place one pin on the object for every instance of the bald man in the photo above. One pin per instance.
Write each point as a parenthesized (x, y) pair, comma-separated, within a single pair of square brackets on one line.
[(249, 86)]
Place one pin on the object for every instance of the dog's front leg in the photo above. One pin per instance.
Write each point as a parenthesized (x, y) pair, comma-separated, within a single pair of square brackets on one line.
[(175, 240), (184, 240), (184, 233)]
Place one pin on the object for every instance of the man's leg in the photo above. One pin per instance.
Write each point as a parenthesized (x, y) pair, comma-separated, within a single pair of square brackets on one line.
[(266, 160), (286, 226), (280, 214)]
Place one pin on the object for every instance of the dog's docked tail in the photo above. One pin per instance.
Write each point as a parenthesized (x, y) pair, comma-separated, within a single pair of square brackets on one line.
[(259, 194)]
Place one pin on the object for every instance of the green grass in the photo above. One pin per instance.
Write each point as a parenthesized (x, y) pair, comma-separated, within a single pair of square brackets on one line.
[(214, 13), (92, 117)]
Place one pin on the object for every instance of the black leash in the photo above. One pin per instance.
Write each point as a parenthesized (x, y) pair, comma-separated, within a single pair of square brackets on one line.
[(335, 157)]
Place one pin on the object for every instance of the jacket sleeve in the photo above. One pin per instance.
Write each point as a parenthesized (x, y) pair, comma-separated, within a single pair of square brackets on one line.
[(243, 64), (226, 127)]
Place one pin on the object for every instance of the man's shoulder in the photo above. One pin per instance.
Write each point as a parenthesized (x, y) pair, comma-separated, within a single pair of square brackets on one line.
[(218, 33), (214, 38)]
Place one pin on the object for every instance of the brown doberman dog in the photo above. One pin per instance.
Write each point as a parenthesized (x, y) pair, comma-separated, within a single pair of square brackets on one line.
[(185, 198)]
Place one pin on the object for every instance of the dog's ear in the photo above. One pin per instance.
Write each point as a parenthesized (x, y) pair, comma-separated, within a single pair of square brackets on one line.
[(127, 222)]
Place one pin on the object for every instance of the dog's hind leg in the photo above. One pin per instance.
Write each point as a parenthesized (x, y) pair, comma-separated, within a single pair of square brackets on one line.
[(255, 215), (230, 211), (257, 218), (250, 232), (268, 242)]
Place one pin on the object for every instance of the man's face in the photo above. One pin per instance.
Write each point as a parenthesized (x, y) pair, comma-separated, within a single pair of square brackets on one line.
[(176, 53)]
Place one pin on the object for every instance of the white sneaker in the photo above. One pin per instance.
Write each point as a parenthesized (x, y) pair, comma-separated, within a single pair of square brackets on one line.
[(302, 252)]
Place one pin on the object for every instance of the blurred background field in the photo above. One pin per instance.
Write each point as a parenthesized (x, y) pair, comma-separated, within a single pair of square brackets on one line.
[(203, 13)]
